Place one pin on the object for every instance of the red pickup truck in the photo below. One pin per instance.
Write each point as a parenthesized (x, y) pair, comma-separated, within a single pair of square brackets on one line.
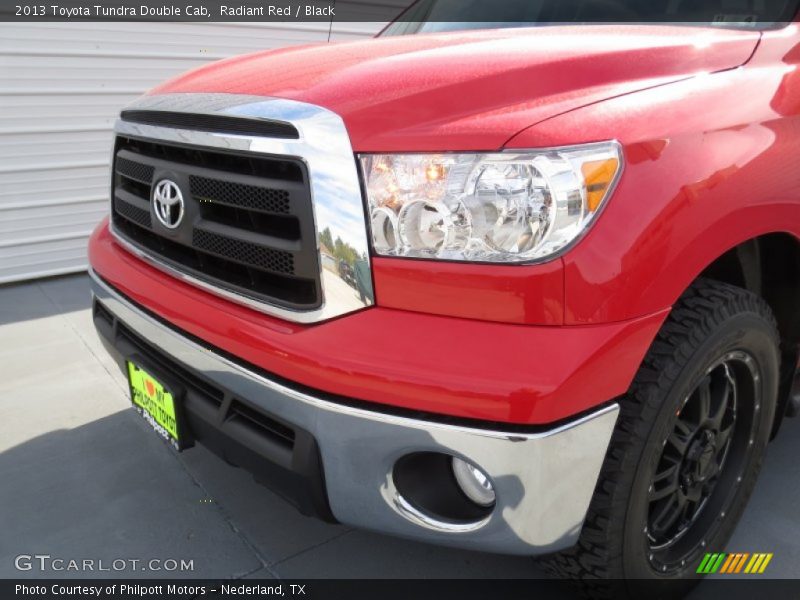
[(528, 290)]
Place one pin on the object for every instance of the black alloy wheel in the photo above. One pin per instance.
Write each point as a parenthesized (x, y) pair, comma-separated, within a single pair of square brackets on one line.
[(702, 460)]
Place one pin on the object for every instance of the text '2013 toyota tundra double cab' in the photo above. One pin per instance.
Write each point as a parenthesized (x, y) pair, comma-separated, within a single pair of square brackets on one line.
[(529, 290)]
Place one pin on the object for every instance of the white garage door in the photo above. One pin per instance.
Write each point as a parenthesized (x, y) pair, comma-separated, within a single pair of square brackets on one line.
[(61, 87)]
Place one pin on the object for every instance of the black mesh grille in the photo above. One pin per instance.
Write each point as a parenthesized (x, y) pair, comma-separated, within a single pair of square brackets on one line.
[(132, 213), (134, 170), (247, 225), (244, 252), (240, 195)]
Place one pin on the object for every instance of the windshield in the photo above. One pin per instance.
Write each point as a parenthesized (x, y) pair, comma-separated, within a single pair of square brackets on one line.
[(452, 15)]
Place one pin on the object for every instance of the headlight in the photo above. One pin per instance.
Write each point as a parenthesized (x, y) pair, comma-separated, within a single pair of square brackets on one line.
[(501, 207)]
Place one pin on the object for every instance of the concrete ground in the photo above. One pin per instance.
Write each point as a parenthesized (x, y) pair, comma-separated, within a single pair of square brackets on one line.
[(82, 477)]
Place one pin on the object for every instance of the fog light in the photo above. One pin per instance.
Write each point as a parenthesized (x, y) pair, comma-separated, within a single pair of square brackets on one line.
[(473, 482)]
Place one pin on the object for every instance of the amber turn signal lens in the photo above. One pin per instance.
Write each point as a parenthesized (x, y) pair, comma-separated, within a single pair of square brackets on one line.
[(597, 177)]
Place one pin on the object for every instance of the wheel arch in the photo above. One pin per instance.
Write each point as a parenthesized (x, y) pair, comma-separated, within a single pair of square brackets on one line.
[(769, 266)]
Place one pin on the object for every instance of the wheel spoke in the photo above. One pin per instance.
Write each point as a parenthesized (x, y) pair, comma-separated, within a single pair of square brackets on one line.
[(714, 470), (681, 436), (665, 483), (666, 474), (686, 509), (723, 437), (672, 509), (722, 400), (704, 400)]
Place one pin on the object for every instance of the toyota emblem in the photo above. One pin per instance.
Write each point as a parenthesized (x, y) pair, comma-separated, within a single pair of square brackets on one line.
[(168, 203)]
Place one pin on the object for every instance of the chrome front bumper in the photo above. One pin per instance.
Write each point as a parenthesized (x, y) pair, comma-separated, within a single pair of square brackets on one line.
[(543, 481)]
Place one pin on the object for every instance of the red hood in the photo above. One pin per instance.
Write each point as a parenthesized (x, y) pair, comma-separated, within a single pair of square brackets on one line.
[(471, 90)]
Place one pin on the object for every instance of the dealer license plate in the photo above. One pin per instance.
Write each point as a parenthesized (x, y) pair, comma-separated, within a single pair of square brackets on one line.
[(155, 403)]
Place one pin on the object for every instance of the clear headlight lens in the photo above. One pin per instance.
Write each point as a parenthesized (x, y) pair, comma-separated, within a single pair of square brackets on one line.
[(500, 207)]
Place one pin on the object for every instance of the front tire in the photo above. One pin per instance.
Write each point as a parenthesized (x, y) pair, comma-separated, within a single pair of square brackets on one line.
[(687, 447)]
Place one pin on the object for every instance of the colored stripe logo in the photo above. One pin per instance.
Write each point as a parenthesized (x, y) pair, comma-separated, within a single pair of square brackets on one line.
[(733, 563)]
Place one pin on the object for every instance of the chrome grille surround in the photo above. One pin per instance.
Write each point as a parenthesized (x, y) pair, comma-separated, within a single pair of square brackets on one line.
[(323, 145)]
